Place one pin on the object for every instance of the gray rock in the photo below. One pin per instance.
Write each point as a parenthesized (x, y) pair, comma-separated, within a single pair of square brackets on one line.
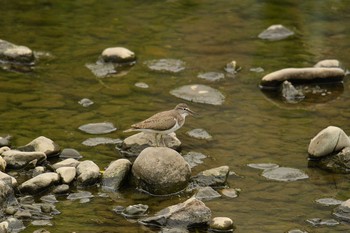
[(18, 159), (88, 173), (7, 195), (291, 94), (49, 198), (98, 128), (118, 55), (215, 177), (60, 189), (39, 170), (296, 231), (161, 171), (263, 166), (329, 201), (2, 164), (115, 174), (85, 102), (337, 163), (330, 140), (8, 179), (66, 163), (221, 224), (41, 230), (194, 158), (70, 153), (274, 79), (211, 76), (15, 53), (5, 141), (134, 144), (135, 211), (192, 212), (67, 174), (101, 141), (101, 69), (206, 193), (42, 144), (39, 183), (342, 212), (284, 174), (275, 32), (321, 222), (199, 134), (167, 65), (80, 195), (199, 93), (42, 223), (328, 63), (15, 225)]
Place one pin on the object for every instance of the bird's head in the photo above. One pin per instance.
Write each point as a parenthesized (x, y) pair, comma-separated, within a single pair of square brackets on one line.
[(184, 110)]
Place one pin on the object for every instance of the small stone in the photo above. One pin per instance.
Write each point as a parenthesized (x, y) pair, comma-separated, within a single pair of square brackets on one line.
[(142, 85), (215, 177), (263, 166), (85, 102), (70, 153), (88, 173), (135, 210), (49, 198), (320, 222), (66, 163), (328, 63), (296, 231), (118, 209), (118, 55), (42, 223), (221, 224), (80, 195), (39, 183), (115, 174), (42, 144), (275, 32), (67, 174), (211, 76), (61, 189), (5, 141), (194, 158), (230, 192), (41, 230), (98, 128)]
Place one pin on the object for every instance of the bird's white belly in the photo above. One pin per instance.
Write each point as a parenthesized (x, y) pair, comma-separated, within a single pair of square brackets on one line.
[(168, 131)]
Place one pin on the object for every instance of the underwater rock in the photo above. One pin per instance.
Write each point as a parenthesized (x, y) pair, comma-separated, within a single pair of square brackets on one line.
[(101, 141), (275, 32), (329, 140), (329, 201), (290, 93), (42, 144), (168, 65), (206, 193), (80, 195), (221, 224), (98, 128), (199, 134), (39, 183), (19, 159), (134, 144), (115, 174), (302, 75), (194, 158), (135, 211), (192, 212), (199, 93), (142, 85), (322, 222), (230, 192), (85, 102), (15, 53), (88, 173), (263, 166), (215, 177), (211, 76), (161, 171), (101, 69), (284, 174), (118, 55)]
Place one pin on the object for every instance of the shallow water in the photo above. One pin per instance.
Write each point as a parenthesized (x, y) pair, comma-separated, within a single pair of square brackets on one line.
[(250, 126)]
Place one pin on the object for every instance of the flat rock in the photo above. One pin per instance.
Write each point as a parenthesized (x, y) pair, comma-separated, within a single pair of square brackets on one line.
[(192, 212), (85, 102), (211, 76), (342, 212), (329, 201), (311, 74), (115, 174), (88, 173), (135, 211), (215, 177), (101, 69), (101, 141), (39, 183), (167, 65), (161, 171), (263, 166), (329, 140), (70, 153), (284, 174), (98, 128), (275, 32), (199, 93)]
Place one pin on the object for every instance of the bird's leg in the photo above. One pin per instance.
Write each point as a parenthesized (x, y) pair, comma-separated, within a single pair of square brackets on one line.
[(156, 139), (163, 141)]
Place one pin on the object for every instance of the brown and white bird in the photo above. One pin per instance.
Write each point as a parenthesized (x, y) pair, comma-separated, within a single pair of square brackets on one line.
[(163, 122)]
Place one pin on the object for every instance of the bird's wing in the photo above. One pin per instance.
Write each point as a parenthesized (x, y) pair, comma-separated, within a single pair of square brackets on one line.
[(160, 121)]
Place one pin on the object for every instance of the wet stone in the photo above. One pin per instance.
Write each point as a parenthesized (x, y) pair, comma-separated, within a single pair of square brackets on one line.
[(101, 69), (296, 231), (49, 198), (70, 153), (80, 195), (232, 68), (206, 193), (66, 163), (211, 76), (118, 55), (138, 210), (194, 158), (230, 192), (85, 102), (199, 93), (342, 212), (167, 65), (42, 223), (98, 128), (284, 174), (101, 141), (199, 134), (322, 222), (328, 201), (275, 32), (257, 69), (61, 189), (15, 225), (221, 224), (118, 209), (215, 177), (41, 230), (291, 94), (142, 85), (263, 166)]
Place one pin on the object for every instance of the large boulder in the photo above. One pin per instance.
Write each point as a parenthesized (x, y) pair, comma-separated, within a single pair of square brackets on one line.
[(330, 140), (161, 171), (115, 174), (192, 212), (39, 183), (88, 173), (42, 144), (18, 159)]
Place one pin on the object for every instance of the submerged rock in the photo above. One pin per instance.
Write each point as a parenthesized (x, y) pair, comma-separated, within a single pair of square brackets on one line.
[(211, 76), (70, 153), (15, 53), (161, 171), (311, 74), (263, 166), (80, 195), (284, 174), (221, 224), (199, 134), (329, 201), (194, 158), (290, 93), (192, 212), (322, 222), (118, 55), (85, 102), (275, 32), (215, 177), (115, 174), (134, 144), (39, 183), (169, 65), (199, 93), (101, 69), (329, 140), (98, 128), (101, 141), (135, 211)]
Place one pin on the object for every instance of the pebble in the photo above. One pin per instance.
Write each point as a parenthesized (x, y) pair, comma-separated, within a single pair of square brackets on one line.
[(221, 224)]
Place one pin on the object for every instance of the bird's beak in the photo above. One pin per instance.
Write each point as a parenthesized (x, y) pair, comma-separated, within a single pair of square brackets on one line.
[(192, 113)]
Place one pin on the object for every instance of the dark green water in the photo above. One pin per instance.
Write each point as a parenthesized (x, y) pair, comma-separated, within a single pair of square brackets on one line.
[(248, 128)]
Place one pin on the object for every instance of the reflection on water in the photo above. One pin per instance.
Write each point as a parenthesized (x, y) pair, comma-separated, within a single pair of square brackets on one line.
[(249, 127)]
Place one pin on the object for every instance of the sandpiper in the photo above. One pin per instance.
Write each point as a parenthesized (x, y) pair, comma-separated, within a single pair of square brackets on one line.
[(163, 122)]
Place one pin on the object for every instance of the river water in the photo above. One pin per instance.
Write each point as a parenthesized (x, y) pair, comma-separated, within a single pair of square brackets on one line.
[(249, 127)]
